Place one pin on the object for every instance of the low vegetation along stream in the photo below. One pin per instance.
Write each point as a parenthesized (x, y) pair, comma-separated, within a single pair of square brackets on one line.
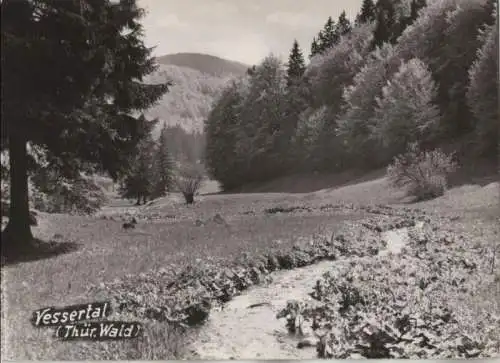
[(247, 327), (398, 283)]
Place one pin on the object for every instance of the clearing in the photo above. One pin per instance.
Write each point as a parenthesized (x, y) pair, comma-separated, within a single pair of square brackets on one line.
[(171, 237)]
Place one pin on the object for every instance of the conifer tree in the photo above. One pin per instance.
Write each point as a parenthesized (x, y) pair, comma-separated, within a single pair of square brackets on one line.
[(385, 19), (415, 7), (367, 12), (328, 37), (163, 165), (343, 26), (71, 83), (140, 176), (296, 65), (314, 48)]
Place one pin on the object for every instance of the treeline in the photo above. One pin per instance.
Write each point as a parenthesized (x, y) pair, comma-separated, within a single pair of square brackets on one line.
[(402, 72)]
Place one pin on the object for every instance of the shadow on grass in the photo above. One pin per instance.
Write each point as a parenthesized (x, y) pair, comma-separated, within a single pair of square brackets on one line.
[(480, 172), (36, 250), (306, 183)]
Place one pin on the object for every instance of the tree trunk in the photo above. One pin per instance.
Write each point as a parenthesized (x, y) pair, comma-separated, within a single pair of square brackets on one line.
[(17, 235)]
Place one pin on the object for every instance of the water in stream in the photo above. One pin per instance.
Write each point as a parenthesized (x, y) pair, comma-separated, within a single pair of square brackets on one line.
[(240, 332)]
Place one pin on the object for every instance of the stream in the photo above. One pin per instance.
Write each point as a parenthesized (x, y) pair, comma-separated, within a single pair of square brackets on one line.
[(240, 331)]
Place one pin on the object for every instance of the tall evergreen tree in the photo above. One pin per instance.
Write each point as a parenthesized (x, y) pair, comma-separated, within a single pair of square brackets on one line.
[(71, 82), (314, 48), (367, 12), (251, 70), (343, 26), (139, 182), (328, 36), (415, 7), (405, 21), (385, 19), (163, 165), (296, 65)]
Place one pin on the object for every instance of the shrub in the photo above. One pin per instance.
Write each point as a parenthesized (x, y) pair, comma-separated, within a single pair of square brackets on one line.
[(53, 194), (189, 181), (423, 174)]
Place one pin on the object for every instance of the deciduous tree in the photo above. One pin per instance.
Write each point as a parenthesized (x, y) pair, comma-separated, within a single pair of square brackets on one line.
[(406, 112)]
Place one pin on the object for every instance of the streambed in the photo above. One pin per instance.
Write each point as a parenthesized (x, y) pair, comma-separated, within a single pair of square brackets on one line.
[(247, 327)]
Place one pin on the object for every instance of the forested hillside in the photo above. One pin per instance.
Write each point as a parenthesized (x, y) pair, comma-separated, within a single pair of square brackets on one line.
[(189, 99), (402, 72)]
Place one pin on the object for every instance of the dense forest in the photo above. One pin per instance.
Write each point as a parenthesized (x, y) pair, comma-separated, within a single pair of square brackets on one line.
[(402, 72)]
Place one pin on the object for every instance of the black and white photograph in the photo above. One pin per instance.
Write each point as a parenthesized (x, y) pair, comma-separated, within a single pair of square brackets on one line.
[(250, 180)]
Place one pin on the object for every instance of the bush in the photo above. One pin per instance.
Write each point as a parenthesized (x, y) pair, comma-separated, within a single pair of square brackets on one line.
[(52, 194), (189, 181), (423, 174)]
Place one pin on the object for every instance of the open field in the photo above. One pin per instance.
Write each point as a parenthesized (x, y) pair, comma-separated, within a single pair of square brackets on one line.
[(171, 237)]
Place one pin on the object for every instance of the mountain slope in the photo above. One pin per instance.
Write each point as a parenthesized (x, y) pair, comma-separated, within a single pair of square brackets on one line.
[(197, 80), (205, 63), (189, 99)]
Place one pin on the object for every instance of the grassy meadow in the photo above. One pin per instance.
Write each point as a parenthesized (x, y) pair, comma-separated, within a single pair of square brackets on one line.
[(171, 236)]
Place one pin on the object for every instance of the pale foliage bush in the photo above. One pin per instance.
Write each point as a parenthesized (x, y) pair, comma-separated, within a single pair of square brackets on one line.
[(424, 175)]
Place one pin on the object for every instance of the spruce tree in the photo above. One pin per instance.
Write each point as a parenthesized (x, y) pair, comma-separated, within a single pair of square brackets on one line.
[(322, 42), (314, 48), (385, 19), (367, 12), (405, 21), (296, 65), (138, 181), (163, 165), (343, 26), (328, 36), (415, 7), (71, 83), (251, 70)]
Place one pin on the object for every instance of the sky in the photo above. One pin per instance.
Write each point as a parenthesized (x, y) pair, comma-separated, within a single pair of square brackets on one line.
[(241, 30)]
